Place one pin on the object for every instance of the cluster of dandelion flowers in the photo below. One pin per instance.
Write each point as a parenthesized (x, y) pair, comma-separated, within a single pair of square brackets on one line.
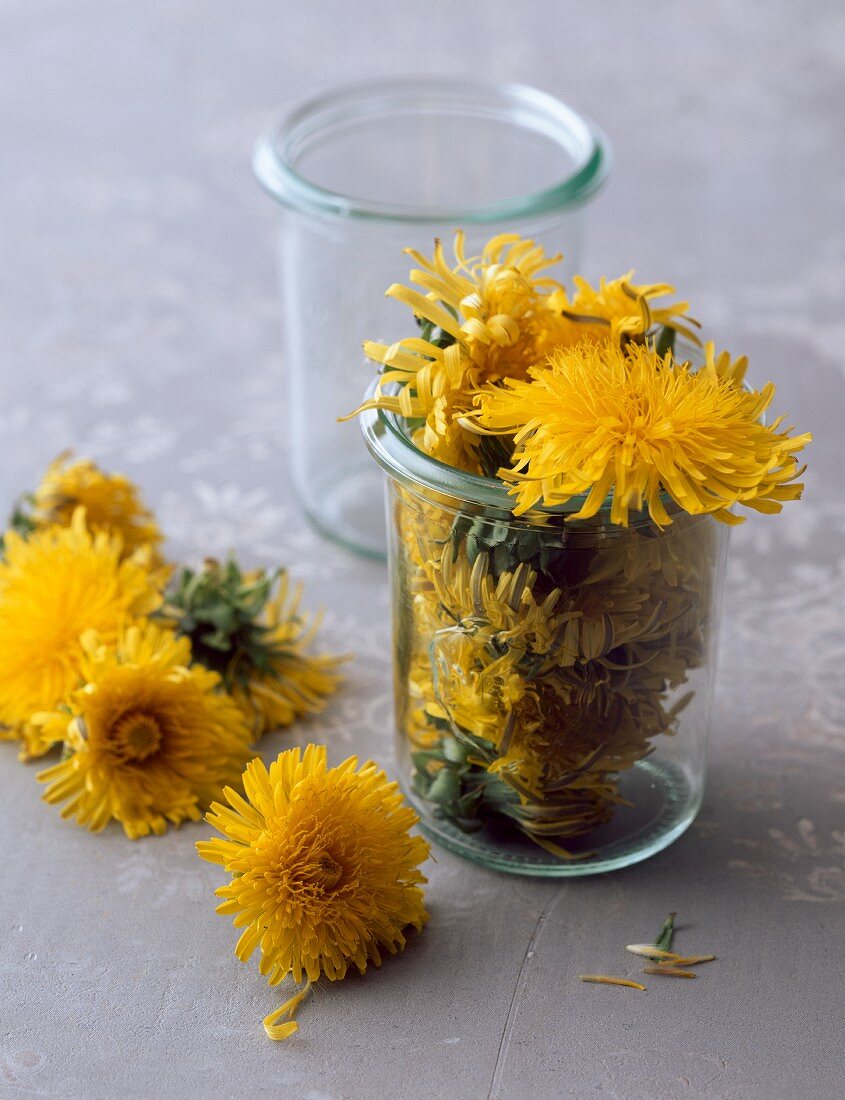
[(55, 585), (112, 502), (325, 873), (148, 739), (491, 318), (599, 419)]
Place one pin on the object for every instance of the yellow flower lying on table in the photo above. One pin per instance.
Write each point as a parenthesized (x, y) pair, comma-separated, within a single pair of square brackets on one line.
[(148, 739), (248, 627), (68, 576), (54, 586), (112, 503), (325, 874)]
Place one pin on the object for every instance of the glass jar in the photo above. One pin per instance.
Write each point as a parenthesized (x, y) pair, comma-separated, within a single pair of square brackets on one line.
[(369, 170), (553, 677)]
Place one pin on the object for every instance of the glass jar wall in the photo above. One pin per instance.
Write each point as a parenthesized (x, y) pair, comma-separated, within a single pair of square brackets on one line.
[(553, 678), (360, 175)]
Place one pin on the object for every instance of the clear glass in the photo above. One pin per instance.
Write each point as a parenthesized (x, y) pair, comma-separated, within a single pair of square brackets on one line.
[(362, 174), (553, 678)]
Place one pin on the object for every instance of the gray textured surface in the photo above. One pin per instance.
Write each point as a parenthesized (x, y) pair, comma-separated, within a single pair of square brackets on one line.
[(138, 321)]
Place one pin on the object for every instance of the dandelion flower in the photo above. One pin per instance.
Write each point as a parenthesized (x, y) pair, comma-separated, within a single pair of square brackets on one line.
[(294, 683), (257, 639), (55, 585), (485, 319), (112, 503), (722, 366), (488, 304), (148, 740), (599, 420), (618, 308), (325, 875)]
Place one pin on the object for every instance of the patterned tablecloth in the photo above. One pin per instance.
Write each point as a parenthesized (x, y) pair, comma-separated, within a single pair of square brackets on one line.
[(139, 325)]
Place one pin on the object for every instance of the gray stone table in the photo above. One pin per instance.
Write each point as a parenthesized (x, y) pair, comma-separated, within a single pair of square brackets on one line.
[(138, 323)]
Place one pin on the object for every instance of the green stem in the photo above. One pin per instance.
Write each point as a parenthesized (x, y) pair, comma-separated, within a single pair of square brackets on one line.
[(667, 932)]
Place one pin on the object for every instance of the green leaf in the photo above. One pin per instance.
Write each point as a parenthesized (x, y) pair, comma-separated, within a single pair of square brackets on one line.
[(21, 521), (454, 751), (218, 639), (423, 757), (421, 782), (445, 787)]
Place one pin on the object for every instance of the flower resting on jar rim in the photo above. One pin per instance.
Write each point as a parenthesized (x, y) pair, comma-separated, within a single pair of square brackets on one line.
[(569, 392), (627, 423)]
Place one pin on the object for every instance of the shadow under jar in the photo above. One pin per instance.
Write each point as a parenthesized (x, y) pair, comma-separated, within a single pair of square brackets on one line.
[(553, 677), (365, 172)]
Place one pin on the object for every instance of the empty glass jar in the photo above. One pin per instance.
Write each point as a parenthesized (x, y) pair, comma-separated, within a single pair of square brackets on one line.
[(361, 174), (553, 678)]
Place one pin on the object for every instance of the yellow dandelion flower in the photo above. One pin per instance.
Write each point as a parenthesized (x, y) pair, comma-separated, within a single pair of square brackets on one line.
[(294, 682), (722, 366), (325, 873), (149, 739), (619, 308), (248, 626), (506, 609), (485, 319), (55, 585), (476, 690), (490, 301), (112, 503), (599, 420), (555, 741)]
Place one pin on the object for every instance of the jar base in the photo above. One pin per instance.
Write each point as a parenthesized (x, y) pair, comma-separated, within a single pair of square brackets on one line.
[(664, 806), (351, 510)]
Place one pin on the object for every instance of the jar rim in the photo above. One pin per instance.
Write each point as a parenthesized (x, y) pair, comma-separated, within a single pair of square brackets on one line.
[(403, 460), (274, 157), (400, 457)]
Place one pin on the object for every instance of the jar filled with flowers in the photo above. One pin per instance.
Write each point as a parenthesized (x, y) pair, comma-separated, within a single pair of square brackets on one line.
[(565, 464)]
